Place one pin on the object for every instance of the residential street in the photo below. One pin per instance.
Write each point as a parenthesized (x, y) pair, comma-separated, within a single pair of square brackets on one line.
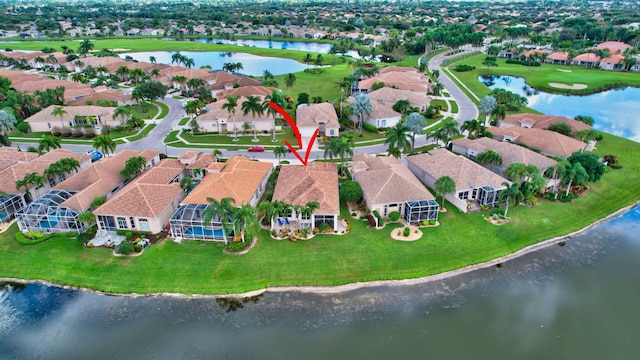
[(468, 110)]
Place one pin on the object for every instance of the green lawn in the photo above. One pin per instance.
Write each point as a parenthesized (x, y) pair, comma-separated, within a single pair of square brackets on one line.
[(184, 121), (324, 85), (363, 255), (147, 129), (453, 106), (136, 110), (244, 140), (164, 109)]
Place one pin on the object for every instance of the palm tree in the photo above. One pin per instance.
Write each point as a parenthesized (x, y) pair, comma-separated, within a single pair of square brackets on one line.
[(280, 151), (511, 195), (474, 127), (124, 112), (85, 47), (319, 60), (576, 175), (122, 72), (289, 81), (230, 106), (329, 149), (53, 172), (307, 59), (195, 83), (416, 123), (307, 210), (443, 186), (35, 179), (489, 157), (49, 142), (276, 98), (516, 171), (268, 210), (216, 153), (361, 107), (342, 148), (152, 59), (177, 58), (266, 75), (104, 144), (222, 210), (245, 218), (253, 106), (189, 63), (193, 108), (487, 105), (87, 217), (59, 111), (449, 130), (102, 70), (186, 183), (154, 73), (180, 80), (398, 139)]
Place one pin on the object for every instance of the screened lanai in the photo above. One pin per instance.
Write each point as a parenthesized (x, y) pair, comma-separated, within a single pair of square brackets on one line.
[(9, 204), (187, 223), (416, 212), (46, 215), (489, 196)]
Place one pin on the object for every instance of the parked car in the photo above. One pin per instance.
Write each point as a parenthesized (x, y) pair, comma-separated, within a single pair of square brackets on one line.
[(95, 155), (256, 149)]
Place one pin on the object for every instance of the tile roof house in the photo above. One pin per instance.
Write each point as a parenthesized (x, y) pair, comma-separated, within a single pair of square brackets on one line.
[(558, 58), (403, 78), (388, 186), (549, 143), (614, 47), (58, 210), (474, 183), (15, 165), (321, 116), (74, 116), (390, 96), (510, 153), (540, 121), (146, 203), (613, 62), (586, 59), (299, 185), (218, 119), (381, 115), (240, 179)]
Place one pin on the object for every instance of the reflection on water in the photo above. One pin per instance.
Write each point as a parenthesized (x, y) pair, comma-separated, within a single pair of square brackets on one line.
[(573, 302), (615, 111)]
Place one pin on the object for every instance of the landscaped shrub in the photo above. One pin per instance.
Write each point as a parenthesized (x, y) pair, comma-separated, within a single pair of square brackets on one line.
[(128, 235), (324, 227), (406, 232), (432, 222), (24, 240), (65, 132), (82, 238), (522, 62), (394, 216), (137, 247), (350, 191), (237, 246), (34, 235), (551, 196), (23, 127), (125, 248), (464, 67), (369, 128), (377, 215)]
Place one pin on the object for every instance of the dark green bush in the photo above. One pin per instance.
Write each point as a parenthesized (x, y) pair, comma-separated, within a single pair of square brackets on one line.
[(137, 247), (464, 67), (125, 248), (394, 216), (82, 238), (23, 127), (237, 246), (523, 62), (406, 232), (369, 128)]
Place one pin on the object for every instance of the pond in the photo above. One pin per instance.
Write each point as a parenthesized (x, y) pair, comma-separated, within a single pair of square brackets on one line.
[(615, 111), (575, 301), (322, 48), (251, 64)]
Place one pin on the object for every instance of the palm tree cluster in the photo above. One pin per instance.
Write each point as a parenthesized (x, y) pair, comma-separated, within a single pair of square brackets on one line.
[(269, 210), (49, 142), (341, 147), (445, 133), (29, 180), (237, 220), (61, 169), (133, 167), (104, 144), (232, 67), (178, 59)]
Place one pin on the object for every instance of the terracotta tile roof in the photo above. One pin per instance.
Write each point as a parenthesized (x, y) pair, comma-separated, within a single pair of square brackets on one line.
[(390, 96), (188, 157), (246, 91), (387, 180), (466, 173), (546, 141), (215, 166), (318, 181), (314, 114), (83, 110), (587, 57), (215, 113), (614, 46), (405, 79), (615, 59), (560, 55), (544, 121), (96, 180), (148, 195), (510, 153), (239, 179), (379, 109), (201, 162), (20, 169)]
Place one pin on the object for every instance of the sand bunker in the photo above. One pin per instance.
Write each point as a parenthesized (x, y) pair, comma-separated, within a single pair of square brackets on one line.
[(565, 86), (563, 70)]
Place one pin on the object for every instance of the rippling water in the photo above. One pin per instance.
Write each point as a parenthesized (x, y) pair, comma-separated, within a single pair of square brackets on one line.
[(576, 301)]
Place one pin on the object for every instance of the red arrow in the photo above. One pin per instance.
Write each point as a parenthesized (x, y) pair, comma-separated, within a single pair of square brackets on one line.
[(297, 134)]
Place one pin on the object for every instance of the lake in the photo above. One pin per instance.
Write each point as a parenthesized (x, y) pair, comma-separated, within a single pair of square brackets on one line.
[(615, 111), (577, 301), (251, 64)]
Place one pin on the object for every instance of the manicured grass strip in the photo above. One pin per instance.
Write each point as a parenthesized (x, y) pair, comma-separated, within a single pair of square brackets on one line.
[(184, 121), (453, 106), (136, 111), (146, 130), (442, 103), (164, 109), (172, 137)]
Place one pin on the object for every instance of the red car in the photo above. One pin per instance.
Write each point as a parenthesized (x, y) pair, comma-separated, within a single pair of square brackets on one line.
[(256, 149)]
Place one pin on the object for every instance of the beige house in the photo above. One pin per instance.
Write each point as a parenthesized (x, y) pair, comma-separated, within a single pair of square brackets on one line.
[(147, 203), (321, 116), (74, 116), (549, 143), (58, 209), (299, 185), (403, 78), (475, 185), (218, 119), (510, 153), (240, 179), (541, 121), (389, 96), (388, 186), (381, 115)]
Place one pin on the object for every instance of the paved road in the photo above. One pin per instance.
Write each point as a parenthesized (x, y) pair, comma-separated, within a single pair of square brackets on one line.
[(467, 109)]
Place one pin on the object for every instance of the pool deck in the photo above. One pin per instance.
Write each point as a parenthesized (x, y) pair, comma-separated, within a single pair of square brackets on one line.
[(106, 238)]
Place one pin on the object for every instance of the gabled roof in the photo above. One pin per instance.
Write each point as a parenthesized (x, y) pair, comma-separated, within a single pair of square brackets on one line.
[(544, 121), (239, 179), (544, 140), (560, 55), (148, 195), (466, 173), (614, 46), (246, 91), (72, 111), (390, 96), (318, 181), (614, 59), (587, 57), (314, 114), (386, 180), (510, 153)]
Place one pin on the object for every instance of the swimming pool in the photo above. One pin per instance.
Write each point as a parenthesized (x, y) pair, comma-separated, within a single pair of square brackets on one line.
[(201, 232), (49, 223)]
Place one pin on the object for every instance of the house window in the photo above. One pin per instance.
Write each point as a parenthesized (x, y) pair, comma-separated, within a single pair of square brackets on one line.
[(122, 223), (383, 123), (144, 224), (463, 195), (48, 125), (131, 221), (332, 132), (474, 194)]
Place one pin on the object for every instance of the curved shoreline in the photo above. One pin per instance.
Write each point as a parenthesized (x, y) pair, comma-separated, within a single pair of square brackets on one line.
[(356, 285)]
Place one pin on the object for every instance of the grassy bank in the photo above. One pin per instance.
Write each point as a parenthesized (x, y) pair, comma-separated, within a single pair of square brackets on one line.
[(539, 77), (363, 255)]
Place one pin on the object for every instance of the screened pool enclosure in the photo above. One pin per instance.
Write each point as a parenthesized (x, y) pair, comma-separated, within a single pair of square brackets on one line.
[(46, 215), (188, 223), (9, 205), (415, 212)]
